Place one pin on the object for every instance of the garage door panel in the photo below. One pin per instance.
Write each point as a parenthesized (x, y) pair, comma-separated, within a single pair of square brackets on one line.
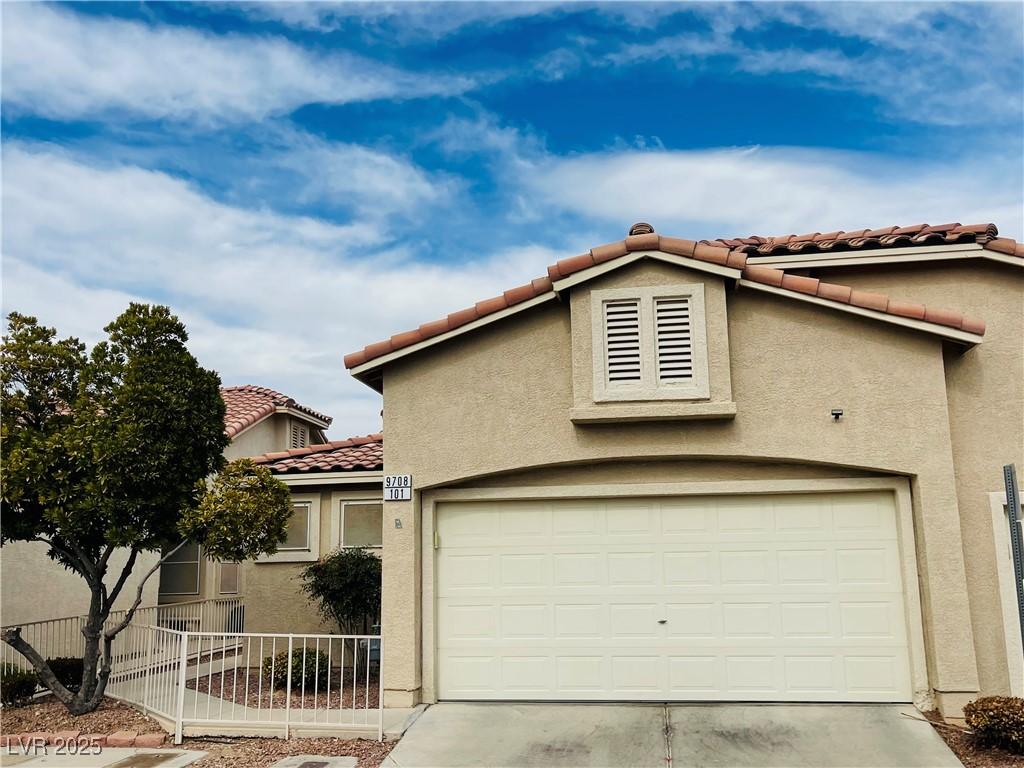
[(789, 598)]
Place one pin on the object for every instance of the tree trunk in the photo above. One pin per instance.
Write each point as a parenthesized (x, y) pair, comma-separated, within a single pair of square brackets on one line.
[(94, 675)]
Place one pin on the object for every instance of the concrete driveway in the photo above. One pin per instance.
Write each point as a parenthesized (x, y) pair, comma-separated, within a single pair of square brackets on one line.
[(690, 735)]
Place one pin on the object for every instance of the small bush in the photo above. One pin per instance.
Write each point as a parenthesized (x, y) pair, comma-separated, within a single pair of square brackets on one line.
[(68, 671), (315, 671), (997, 721), (345, 586), (17, 687)]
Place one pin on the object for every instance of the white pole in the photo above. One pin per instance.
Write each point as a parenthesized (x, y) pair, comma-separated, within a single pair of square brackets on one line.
[(182, 663)]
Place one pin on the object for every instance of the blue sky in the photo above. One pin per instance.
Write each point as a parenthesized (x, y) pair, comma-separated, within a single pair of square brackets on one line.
[(299, 179)]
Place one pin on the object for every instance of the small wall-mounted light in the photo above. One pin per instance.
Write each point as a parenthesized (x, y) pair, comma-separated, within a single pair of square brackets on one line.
[(837, 414), (398, 522)]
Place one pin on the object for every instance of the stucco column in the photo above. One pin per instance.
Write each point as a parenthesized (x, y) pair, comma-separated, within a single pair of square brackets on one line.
[(400, 603), (953, 668)]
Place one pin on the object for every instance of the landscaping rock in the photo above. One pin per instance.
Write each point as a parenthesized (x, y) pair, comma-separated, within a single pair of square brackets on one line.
[(150, 740), (122, 739)]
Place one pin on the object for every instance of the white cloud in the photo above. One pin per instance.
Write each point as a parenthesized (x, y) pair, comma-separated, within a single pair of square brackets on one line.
[(268, 299), (64, 65), (934, 63), (433, 20), (768, 191)]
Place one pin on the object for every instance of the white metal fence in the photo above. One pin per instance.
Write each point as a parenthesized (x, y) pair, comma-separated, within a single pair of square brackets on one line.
[(261, 684), (56, 638)]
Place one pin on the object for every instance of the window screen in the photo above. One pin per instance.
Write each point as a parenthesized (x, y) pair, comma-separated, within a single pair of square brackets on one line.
[(363, 525), (298, 528), (228, 579), (179, 574)]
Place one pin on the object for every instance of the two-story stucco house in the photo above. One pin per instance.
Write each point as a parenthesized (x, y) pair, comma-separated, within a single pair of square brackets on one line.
[(763, 469)]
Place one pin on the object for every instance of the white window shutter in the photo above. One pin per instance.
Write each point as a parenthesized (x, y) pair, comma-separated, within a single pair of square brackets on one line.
[(622, 342), (673, 339)]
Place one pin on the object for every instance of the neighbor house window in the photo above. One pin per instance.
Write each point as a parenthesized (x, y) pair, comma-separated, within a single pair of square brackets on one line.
[(650, 343), (179, 573), (228, 584), (362, 524), (302, 536), (298, 527)]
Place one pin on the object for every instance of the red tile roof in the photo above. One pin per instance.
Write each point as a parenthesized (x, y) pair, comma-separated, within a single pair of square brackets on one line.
[(357, 454), (248, 404), (734, 253), (867, 239)]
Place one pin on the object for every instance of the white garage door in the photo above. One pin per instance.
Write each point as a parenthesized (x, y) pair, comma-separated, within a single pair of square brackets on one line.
[(771, 598)]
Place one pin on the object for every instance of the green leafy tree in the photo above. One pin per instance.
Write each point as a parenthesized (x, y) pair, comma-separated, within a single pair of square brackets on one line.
[(345, 585), (120, 448)]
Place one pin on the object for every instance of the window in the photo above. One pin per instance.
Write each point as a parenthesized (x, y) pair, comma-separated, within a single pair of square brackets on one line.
[(302, 537), (299, 436), (298, 527), (179, 573), (650, 343), (362, 524), (228, 579)]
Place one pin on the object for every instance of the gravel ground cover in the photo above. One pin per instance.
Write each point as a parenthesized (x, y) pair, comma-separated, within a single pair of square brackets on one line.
[(258, 694), (49, 715), (261, 753), (970, 754)]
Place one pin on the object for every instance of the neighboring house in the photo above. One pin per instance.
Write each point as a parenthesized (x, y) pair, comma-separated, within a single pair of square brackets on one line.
[(752, 469), (258, 420), (336, 498)]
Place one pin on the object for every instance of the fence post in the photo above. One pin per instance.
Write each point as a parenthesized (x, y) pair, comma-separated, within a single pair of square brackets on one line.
[(147, 670), (180, 711), (380, 687), (288, 691)]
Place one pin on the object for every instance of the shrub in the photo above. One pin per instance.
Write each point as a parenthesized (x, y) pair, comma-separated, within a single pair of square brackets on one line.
[(17, 687), (997, 721), (68, 671), (346, 587), (315, 672)]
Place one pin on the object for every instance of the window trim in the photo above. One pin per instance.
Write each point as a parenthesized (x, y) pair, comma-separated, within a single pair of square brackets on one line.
[(220, 577), (311, 552), (308, 505), (339, 540), (199, 573), (649, 387)]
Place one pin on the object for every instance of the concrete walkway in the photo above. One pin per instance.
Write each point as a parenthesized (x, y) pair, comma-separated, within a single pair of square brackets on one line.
[(694, 736), (109, 757)]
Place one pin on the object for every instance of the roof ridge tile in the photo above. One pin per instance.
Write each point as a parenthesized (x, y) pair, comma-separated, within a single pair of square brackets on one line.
[(730, 252)]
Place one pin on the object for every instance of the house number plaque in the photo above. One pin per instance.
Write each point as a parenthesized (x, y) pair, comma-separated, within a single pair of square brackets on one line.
[(397, 487)]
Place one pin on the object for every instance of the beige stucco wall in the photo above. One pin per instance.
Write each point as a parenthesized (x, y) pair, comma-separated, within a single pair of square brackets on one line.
[(264, 437), (986, 406), (35, 588), (274, 600), (499, 400)]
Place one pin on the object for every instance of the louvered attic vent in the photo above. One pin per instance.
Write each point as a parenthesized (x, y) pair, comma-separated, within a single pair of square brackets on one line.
[(622, 342), (299, 436), (650, 343), (673, 339)]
